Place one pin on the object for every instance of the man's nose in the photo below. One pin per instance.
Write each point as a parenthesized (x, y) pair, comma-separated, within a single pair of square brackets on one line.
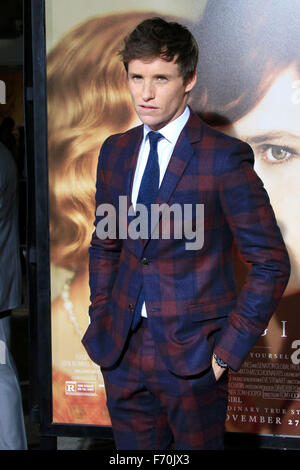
[(148, 91)]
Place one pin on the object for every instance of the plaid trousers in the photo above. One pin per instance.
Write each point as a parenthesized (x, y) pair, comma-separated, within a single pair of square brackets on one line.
[(151, 408)]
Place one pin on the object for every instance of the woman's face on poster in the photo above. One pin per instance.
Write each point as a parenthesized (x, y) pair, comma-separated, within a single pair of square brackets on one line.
[(272, 128)]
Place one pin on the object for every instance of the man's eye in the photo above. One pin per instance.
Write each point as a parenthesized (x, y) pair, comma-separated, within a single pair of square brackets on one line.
[(161, 79)]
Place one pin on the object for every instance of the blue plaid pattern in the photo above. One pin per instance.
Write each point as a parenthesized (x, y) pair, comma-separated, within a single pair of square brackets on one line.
[(191, 297)]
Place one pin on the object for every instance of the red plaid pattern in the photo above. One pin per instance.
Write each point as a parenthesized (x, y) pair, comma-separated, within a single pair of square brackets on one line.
[(190, 296), (151, 408)]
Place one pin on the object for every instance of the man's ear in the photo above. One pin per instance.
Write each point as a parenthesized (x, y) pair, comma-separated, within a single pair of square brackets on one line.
[(191, 83)]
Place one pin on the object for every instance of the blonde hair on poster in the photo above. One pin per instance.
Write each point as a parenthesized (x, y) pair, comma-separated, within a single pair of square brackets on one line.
[(88, 100)]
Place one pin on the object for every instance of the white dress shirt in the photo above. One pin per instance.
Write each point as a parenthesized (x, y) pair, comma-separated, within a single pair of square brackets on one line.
[(165, 149)]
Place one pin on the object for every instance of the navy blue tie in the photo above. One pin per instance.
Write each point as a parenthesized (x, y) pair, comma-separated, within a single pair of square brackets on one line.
[(147, 193)]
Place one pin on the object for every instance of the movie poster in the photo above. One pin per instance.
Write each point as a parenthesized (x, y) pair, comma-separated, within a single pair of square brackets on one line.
[(248, 86)]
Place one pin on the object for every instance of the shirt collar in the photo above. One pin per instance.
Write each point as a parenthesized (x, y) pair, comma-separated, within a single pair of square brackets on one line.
[(172, 130)]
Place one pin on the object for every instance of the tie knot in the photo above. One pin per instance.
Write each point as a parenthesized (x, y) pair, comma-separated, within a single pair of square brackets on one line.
[(154, 137)]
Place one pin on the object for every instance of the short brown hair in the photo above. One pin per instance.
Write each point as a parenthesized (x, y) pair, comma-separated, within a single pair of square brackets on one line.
[(155, 37)]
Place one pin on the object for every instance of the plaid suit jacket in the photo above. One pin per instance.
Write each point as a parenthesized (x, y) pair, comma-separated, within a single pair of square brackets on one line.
[(191, 299)]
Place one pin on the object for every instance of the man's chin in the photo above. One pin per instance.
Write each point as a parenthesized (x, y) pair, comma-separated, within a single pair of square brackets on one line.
[(152, 123)]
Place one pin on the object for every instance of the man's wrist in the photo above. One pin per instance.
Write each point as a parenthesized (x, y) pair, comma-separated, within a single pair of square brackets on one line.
[(220, 362)]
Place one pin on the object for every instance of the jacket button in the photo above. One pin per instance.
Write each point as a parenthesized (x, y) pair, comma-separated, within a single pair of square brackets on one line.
[(130, 306), (145, 261)]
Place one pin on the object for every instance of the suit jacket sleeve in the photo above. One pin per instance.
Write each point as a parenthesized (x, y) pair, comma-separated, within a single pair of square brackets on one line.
[(104, 253), (251, 219)]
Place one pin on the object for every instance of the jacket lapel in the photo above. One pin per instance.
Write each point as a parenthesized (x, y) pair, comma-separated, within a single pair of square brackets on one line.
[(130, 163)]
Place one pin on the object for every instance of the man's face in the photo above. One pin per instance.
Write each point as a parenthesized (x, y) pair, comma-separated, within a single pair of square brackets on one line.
[(158, 91)]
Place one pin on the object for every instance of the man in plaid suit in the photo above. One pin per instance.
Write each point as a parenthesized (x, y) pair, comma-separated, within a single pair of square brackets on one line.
[(166, 320)]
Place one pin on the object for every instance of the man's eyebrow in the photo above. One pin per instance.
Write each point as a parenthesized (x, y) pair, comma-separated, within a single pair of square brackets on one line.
[(156, 75), (272, 135)]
